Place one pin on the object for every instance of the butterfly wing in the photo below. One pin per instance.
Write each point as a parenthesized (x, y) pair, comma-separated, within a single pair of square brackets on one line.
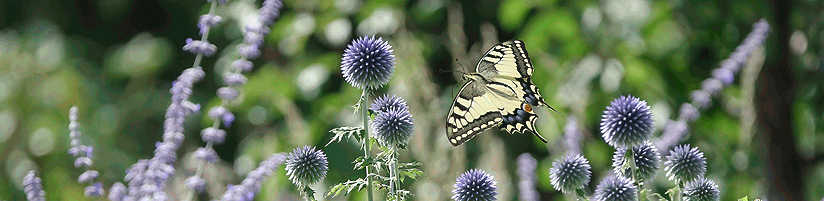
[(473, 111), (506, 96), (510, 60)]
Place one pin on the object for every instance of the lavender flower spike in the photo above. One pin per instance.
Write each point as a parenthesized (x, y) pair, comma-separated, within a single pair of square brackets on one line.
[(147, 178), (33, 187), (725, 74), (572, 136), (249, 187), (83, 156), (526, 172)]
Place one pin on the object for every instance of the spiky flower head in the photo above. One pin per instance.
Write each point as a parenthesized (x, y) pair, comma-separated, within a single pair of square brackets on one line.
[(627, 122), (368, 62), (701, 189), (685, 164), (383, 103), (570, 173), (615, 189), (647, 159), (393, 127), (475, 185), (305, 165)]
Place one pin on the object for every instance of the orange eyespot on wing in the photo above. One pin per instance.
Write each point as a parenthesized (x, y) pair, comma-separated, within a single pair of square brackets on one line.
[(526, 107)]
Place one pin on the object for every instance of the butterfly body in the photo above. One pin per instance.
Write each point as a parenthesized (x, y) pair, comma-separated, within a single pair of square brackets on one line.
[(499, 93)]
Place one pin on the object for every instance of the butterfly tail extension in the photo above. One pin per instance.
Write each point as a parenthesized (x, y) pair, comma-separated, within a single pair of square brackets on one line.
[(540, 137)]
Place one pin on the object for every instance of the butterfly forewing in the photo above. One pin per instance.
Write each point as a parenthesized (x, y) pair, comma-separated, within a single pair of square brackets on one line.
[(473, 111)]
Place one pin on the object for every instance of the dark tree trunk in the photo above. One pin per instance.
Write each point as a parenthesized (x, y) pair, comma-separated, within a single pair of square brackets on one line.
[(775, 98)]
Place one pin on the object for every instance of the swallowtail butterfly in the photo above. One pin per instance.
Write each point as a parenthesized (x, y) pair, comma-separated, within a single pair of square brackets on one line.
[(500, 92)]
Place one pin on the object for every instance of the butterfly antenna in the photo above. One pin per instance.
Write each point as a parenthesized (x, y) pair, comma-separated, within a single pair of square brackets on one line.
[(462, 67), (553, 109)]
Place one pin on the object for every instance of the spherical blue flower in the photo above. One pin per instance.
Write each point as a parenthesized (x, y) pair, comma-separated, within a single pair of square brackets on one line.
[(647, 159), (615, 189), (701, 189), (383, 103), (685, 164), (627, 122), (305, 165), (570, 173), (475, 185), (393, 127), (368, 63)]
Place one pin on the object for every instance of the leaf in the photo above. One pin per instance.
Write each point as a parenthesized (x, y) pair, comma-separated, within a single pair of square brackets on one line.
[(362, 161), (308, 192), (412, 173), (659, 197), (345, 132), (346, 187), (745, 198), (409, 165)]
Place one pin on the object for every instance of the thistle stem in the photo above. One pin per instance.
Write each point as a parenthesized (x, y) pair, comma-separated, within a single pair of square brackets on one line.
[(633, 171), (581, 194), (367, 146), (396, 184)]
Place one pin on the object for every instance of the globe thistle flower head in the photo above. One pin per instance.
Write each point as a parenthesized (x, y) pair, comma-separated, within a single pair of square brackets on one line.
[(383, 103), (570, 173), (305, 165), (626, 122), (393, 127), (615, 189), (685, 164), (368, 63), (647, 160), (475, 185), (701, 189)]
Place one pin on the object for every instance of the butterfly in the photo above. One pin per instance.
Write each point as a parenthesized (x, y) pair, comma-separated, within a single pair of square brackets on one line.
[(499, 93)]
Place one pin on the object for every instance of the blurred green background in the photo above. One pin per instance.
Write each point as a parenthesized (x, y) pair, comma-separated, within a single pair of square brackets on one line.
[(116, 59)]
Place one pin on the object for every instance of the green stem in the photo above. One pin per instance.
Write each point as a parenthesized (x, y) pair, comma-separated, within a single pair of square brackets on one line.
[(395, 178), (581, 194), (367, 146), (633, 171)]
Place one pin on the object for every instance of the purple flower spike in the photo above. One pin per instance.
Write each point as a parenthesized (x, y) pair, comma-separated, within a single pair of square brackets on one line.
[(95, 189), (270, 11), (249, 187), (117, 192), (526, 173), (200, 47), (33, 187)]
